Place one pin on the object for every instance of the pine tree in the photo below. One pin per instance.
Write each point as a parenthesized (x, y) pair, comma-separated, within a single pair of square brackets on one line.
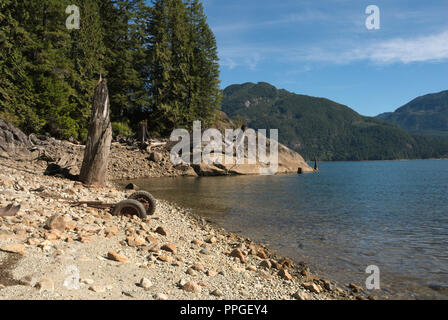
[(16, 92), (87, 55), (160, 62), (204, 92), (52, 68), (184, 68), (124, 23)]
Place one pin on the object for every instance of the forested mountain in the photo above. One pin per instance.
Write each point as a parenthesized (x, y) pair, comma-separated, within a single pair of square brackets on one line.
[(159, 59), (318, 127), (426, 115)]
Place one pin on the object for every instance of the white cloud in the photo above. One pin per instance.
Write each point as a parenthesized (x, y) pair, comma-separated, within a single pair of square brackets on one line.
[(421, 49), (428, 48)]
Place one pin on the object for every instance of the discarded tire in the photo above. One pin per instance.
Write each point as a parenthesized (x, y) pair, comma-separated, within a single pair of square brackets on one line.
[(129, 207), (147, 199)]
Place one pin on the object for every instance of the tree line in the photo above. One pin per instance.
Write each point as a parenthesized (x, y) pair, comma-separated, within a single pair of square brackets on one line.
[(159, 58)]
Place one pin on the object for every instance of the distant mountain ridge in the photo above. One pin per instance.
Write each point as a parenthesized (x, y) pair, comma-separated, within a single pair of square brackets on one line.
[(426, 115), (319, 127)]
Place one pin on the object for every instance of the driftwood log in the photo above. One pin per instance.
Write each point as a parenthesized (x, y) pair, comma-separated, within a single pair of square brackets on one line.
[(96, 155)]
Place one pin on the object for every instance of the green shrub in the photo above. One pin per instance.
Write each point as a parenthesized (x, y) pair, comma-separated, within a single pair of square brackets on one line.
[(122, 129), (83, 133)]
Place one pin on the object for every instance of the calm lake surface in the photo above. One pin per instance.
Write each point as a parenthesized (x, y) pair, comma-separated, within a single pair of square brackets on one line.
[(392, 214)]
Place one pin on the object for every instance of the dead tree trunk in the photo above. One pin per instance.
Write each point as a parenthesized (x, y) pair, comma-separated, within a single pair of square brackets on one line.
[(96, 155), (143, 133)]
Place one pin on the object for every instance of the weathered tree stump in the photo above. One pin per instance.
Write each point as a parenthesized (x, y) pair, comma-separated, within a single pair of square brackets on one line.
[(143, 134), (96, 155)]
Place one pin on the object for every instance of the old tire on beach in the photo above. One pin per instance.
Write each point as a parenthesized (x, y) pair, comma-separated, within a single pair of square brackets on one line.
[(147, 199), (129, 207)]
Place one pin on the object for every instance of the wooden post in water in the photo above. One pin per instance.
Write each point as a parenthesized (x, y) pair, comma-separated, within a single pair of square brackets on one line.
[(96, 155), (315, 164)]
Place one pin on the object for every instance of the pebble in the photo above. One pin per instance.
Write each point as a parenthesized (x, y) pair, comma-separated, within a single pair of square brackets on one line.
[(284, 274), (45, 285), (301, 295), (165, 259), (191, 272), (237, 253), (198, 267), (262, 254), (117, 257), (14, 248), (56, 222), (151, 239), (87, 281), (170, 248), (135, 241), (204, 251), (161, 231), (355, 288), (97, 289), (311, 286), (112, 230), (212, 273), (266, 264), (84, 239), (191, 287), (211, 240), (161, 296), (217, 293), (145, 283)]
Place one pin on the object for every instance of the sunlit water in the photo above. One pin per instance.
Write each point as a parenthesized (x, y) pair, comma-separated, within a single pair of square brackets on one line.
[(392, 214)]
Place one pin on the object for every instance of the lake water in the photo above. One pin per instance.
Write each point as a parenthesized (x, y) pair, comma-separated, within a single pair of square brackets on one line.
[(392, 214)]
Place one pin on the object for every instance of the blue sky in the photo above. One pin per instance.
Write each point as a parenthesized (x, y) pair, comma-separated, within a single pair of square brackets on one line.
[(323, 48)]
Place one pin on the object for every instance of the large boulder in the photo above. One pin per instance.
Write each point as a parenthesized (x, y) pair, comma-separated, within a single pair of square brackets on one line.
[(289, 161)]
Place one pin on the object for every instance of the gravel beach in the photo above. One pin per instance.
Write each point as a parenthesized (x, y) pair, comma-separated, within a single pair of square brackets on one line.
[(54, 250)]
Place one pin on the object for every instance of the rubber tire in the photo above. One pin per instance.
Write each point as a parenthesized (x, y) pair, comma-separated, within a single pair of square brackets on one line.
[(149, 198), (130, 203)]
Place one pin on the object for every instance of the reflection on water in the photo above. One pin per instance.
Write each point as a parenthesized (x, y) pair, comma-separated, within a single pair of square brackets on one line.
[(393, 214)]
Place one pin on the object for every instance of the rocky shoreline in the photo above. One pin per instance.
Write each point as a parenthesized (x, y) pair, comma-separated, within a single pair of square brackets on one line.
[(128, 159), (52, 250)]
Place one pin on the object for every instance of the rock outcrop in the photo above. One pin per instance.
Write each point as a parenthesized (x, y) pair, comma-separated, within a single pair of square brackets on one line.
[(289, 161), (129, 161), (12, 140)]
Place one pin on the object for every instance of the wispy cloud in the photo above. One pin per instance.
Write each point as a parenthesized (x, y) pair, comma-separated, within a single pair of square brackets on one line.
[(427, 48), (246, 25), (420, 49), (247, 56)]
